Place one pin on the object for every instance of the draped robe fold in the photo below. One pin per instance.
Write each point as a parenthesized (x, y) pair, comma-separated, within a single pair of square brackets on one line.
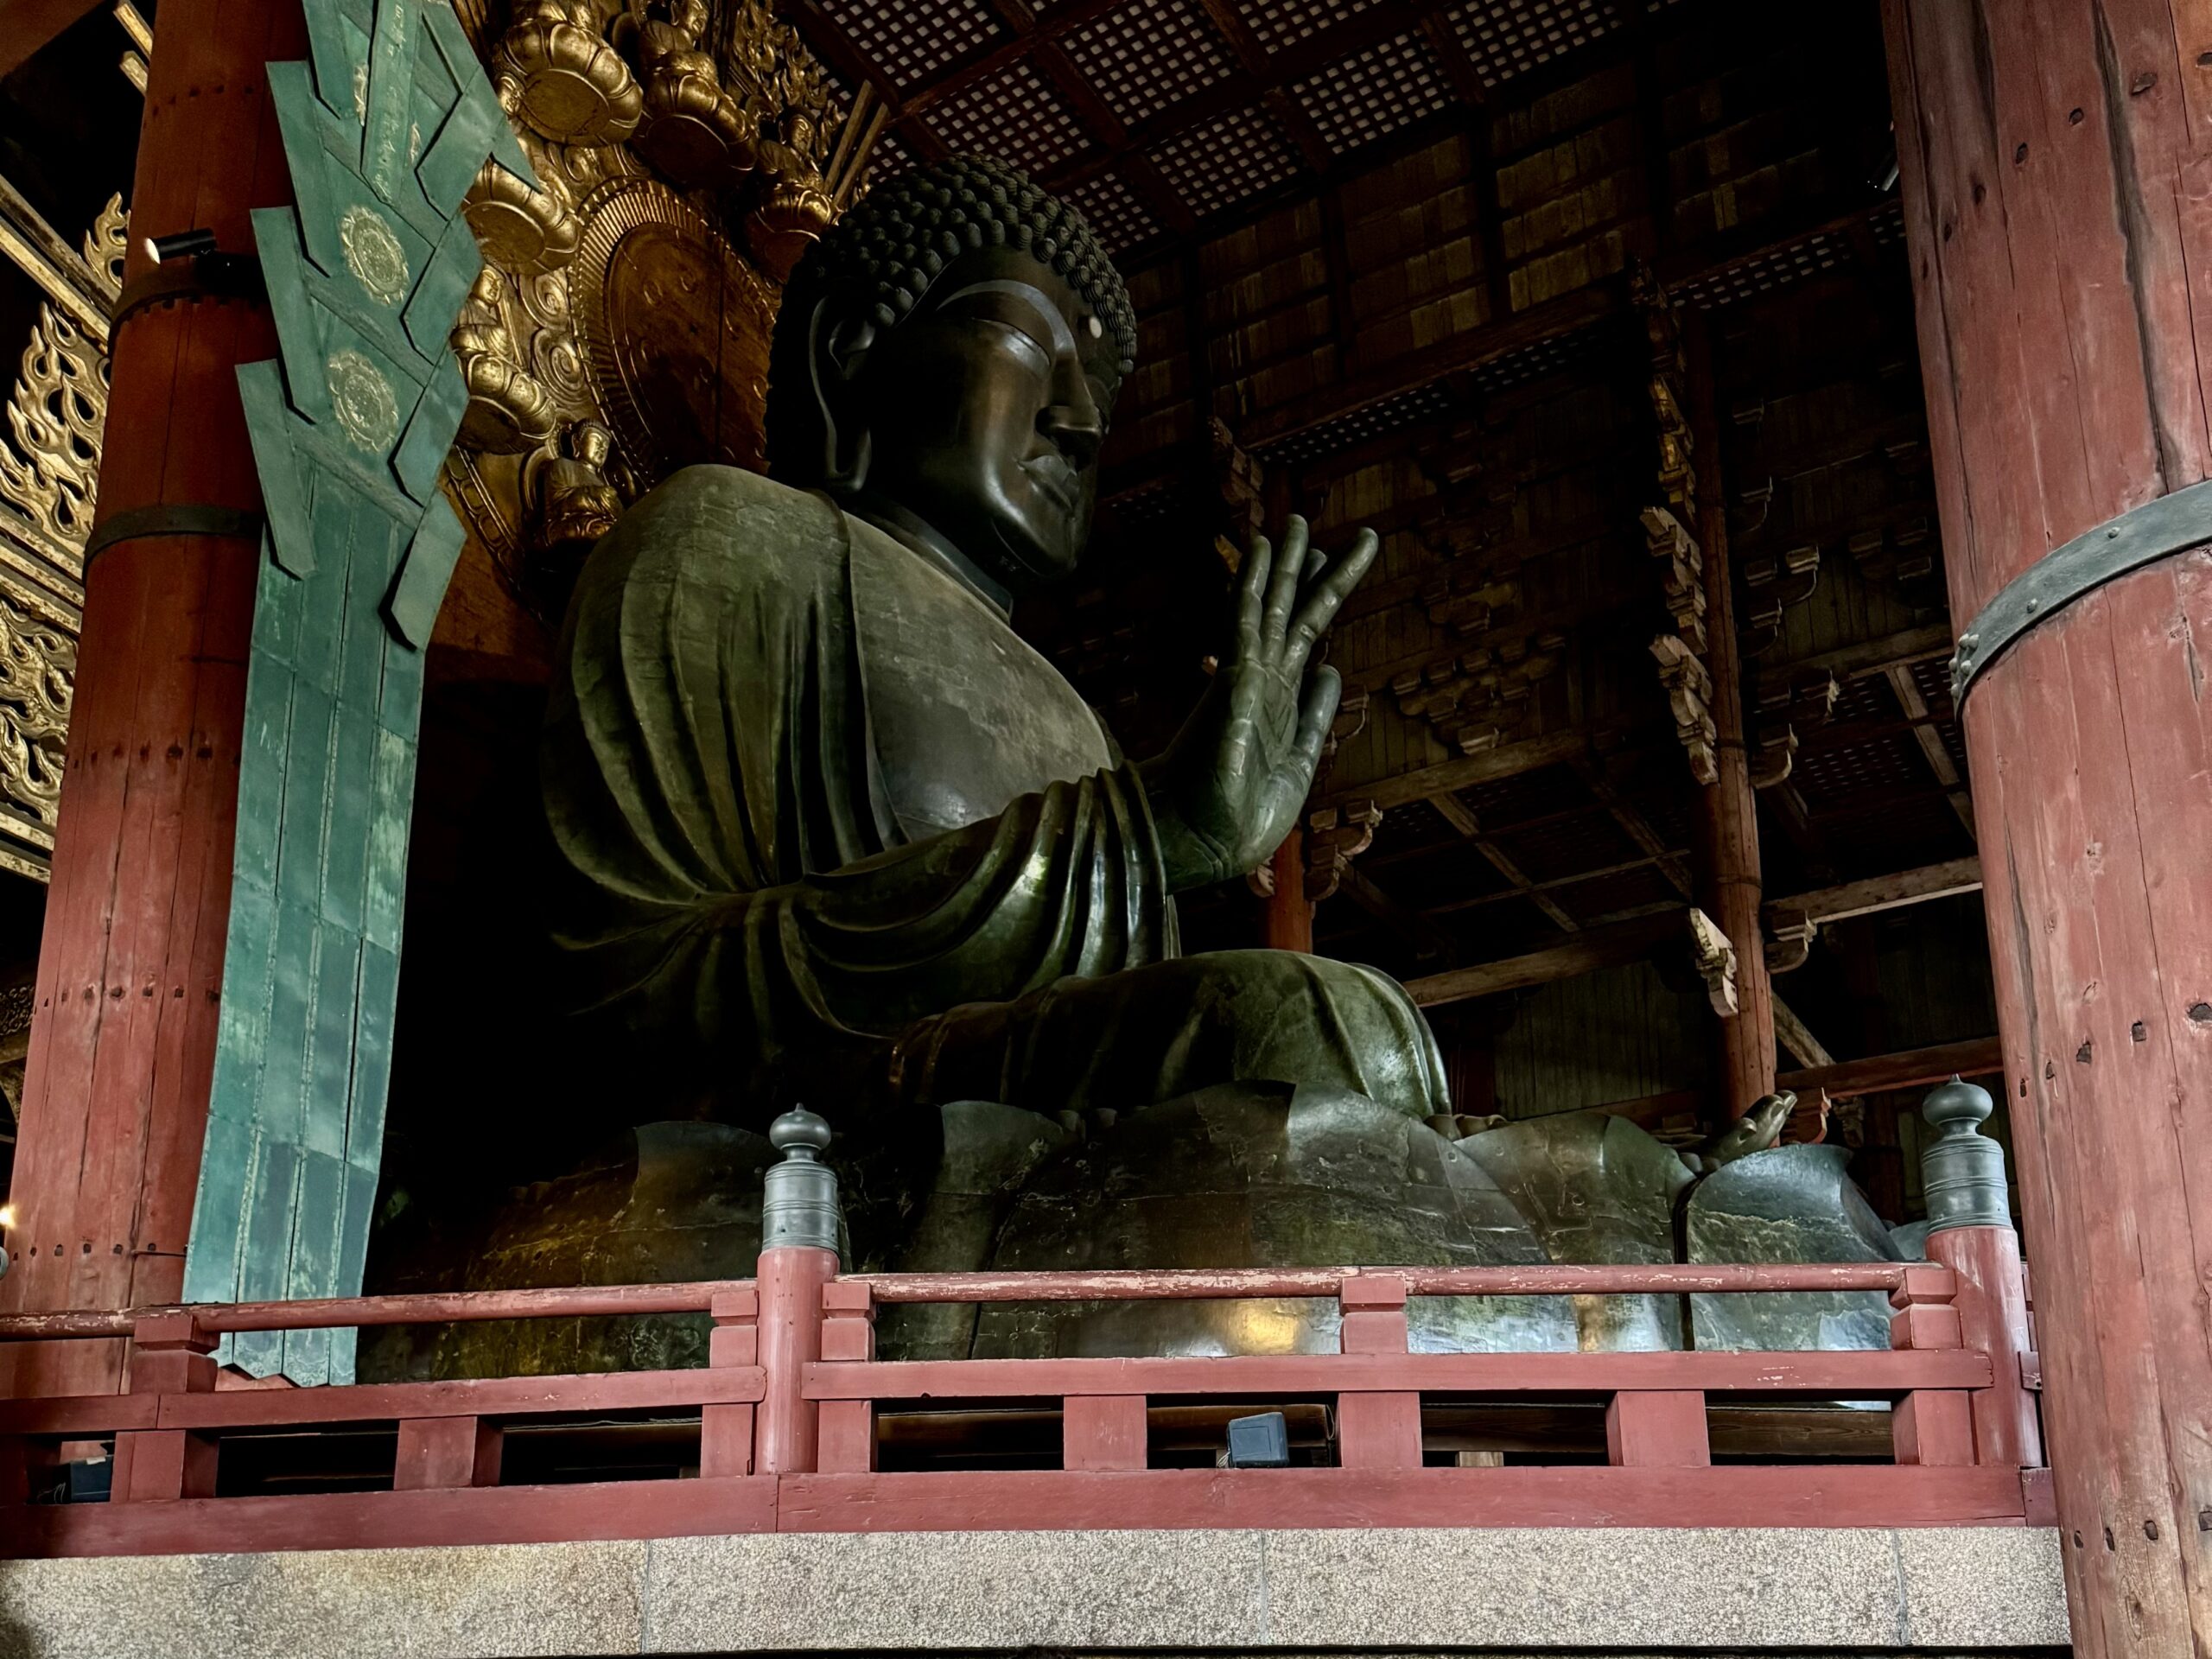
[(755, 909)]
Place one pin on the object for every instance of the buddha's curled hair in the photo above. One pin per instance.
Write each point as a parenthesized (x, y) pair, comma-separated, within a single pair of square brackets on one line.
[(883, 255)]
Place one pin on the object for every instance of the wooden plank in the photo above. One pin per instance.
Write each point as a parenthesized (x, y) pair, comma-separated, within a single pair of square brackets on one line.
[(1597, 948), (1869, 1374), (1796, 1036), (1946, 771), (1513, 1497), (87, 1416), (488, 1396), (1492, 766), (1979, 1058), (397, 1520), (1880, 893), (1868, 657)]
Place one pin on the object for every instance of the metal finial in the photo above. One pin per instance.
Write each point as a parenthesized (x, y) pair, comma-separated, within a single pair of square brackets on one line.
[(798, 1204), (1962, 1170), (800, 1134)]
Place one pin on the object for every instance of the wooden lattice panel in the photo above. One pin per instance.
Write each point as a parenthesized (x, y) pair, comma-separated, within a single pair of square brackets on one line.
[(1114, 211), (1505, 38), (1391, 414), (1225, 160), (910, 42), (1770, 271), (1012, 117), (1278, 23), (1565, 847), (1369, 95), (1148, 56)]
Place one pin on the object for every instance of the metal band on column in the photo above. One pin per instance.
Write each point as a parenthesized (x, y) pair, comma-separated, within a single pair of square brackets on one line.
[(2141, 535)]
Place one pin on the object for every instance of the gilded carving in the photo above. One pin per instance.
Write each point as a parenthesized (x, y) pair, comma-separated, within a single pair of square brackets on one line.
[(508, 410), (555, 71), (49, 476), (688, 153), (694, 131)]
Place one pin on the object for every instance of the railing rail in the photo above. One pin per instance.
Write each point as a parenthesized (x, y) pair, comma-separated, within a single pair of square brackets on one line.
[(1201, 1284)]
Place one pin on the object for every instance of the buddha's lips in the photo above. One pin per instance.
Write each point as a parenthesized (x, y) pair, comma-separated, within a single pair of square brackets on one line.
[(1055, 478)]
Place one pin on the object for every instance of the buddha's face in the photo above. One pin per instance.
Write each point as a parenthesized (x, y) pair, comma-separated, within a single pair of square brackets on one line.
[(985, 411)]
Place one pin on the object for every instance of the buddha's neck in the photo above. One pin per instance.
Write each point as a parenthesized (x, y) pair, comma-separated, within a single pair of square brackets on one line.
[(909, 530)]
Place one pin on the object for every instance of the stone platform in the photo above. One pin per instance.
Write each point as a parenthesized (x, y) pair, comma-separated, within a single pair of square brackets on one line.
[(1400, 1591)]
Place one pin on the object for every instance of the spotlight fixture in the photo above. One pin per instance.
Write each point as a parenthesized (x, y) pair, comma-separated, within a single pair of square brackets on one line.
[(185, 245)]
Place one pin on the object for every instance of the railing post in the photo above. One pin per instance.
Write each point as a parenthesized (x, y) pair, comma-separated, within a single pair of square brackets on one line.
[(1658, 1428), (798, 1256), (1103, 1431), (1970, 1231), (1375, 1431), (726, 1431), (847, 1333), (445, 1452), (1929, 1425), (169, 1354)]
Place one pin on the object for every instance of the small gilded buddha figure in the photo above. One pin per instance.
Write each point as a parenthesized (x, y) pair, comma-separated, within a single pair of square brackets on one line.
[(829, 831)]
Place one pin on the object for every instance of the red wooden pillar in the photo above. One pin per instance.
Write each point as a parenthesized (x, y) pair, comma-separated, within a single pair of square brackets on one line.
[(1725, 830), (123, 1040), (2057, 164), (1286, 921)]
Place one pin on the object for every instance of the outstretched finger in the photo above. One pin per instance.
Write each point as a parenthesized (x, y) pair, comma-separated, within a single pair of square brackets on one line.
[(1251, 583), (1282, 585), (1322, 693), (1327, 593)]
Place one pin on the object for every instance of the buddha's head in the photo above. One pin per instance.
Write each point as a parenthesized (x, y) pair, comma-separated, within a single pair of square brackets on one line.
[(951, 347)]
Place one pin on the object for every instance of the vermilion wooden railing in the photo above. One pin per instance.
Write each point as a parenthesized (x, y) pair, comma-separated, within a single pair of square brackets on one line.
[(787, 1410)]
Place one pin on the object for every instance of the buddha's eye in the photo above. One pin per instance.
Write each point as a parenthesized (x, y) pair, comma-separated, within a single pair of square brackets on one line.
[(1030, 344)]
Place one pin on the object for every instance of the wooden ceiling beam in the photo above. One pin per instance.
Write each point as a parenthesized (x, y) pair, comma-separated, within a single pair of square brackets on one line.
[(1868, 657), (1911, 1068), (1492, 766), (1589, 951), (1882, 892), (1919, 1068)]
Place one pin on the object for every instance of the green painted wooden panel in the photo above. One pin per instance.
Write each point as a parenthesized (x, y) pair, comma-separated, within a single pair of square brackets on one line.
[(383, 128)]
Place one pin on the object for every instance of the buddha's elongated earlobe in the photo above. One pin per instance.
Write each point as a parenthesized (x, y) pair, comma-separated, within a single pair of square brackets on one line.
[(835, 354)]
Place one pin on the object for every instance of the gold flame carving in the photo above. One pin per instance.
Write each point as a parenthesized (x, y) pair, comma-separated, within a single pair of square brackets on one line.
[(49, 479), (687, 152)]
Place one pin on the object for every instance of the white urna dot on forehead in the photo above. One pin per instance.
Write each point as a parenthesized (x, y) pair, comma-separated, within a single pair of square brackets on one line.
[(1097, 327)]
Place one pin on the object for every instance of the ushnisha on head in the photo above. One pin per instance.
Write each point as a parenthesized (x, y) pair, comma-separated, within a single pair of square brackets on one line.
[(947, 356)]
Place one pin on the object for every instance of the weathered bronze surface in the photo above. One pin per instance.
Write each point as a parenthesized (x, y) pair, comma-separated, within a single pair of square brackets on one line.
[(1787, 1203), (828, 829), (1594, 1188), (1276, 1176)]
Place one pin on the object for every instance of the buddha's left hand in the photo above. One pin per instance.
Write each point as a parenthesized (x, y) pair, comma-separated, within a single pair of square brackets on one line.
[(1230, 786)]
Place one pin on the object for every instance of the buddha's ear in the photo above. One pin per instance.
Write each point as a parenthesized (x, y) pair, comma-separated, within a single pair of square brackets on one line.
[(837, 350)]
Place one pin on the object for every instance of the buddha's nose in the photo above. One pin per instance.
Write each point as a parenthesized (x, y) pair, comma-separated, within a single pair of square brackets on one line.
[(1075, 427)]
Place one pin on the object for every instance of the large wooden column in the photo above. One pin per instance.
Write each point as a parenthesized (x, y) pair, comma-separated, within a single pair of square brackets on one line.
[(1286, 918), (2056, 160), (130, 967), (1725, 828)]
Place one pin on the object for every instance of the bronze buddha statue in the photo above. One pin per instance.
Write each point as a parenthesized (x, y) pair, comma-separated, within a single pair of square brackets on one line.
[(826, 831), (829, 829)]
